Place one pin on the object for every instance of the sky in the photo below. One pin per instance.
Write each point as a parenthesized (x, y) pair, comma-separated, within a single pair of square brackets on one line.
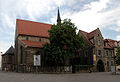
[(87, 15)]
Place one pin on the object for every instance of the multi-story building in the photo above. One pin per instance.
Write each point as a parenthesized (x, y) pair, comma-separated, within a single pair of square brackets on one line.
[(102, 53), (110, 47), (104, 50), (109, 53)]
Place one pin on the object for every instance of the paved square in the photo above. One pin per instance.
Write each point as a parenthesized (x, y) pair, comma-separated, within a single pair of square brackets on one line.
[(81, 77)]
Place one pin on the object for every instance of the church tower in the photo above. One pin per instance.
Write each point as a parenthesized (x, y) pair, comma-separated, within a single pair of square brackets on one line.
[(58, 17)]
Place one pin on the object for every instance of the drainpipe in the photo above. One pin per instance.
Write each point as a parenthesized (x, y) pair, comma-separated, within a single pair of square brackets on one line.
[(115, 65), (114, 61)]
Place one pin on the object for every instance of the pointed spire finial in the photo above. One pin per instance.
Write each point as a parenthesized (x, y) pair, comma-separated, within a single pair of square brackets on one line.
[(58, 17)]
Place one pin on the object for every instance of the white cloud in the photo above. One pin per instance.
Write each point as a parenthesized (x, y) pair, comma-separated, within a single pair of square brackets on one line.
[(71, 2), (92, 15), (95, 14), (36, 8), (118, 37), (117, 29), (118, 22), (59, 2), (4, 45), (98, 5), (30, 9)]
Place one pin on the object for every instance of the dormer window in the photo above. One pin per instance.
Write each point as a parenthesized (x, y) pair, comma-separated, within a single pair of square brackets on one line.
[(91, 40), (106, 44)]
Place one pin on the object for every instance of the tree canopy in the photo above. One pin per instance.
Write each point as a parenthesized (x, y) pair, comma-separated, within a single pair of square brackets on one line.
[(64, 42), (117, 58)]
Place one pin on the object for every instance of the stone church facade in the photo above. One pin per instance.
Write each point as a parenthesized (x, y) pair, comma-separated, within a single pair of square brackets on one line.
[(29, 39)]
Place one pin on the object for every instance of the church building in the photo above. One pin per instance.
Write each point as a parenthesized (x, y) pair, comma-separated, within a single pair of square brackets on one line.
[(30, 37)]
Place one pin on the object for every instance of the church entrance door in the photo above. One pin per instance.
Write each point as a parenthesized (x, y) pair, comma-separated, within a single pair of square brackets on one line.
[(100, 66)]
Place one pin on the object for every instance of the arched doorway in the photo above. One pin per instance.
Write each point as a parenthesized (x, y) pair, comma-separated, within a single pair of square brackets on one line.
[(100, 66)]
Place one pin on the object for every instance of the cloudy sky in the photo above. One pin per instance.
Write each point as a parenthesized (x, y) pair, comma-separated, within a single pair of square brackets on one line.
[(86, 14)]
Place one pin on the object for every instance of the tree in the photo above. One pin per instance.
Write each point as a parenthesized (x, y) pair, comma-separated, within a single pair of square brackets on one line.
[(117, 58), (64, 43)]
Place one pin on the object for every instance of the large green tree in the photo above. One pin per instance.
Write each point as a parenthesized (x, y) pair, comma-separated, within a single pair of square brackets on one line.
[(117, 58), (64, 43)]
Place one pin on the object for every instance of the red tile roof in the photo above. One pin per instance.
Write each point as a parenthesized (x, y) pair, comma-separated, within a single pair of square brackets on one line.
[(111, 43), (110, 40), (84, 33), (26, 27), (88, 35), (33, 43), (91, 34)]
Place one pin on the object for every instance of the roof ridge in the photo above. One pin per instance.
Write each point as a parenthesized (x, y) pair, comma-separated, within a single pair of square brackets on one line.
[(32, 28), (110, 39), (10, 50), (83, 31), (33, 21), (93, 31)]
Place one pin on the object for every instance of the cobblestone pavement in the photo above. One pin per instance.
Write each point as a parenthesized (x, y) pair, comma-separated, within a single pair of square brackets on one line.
[(81, 77)]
